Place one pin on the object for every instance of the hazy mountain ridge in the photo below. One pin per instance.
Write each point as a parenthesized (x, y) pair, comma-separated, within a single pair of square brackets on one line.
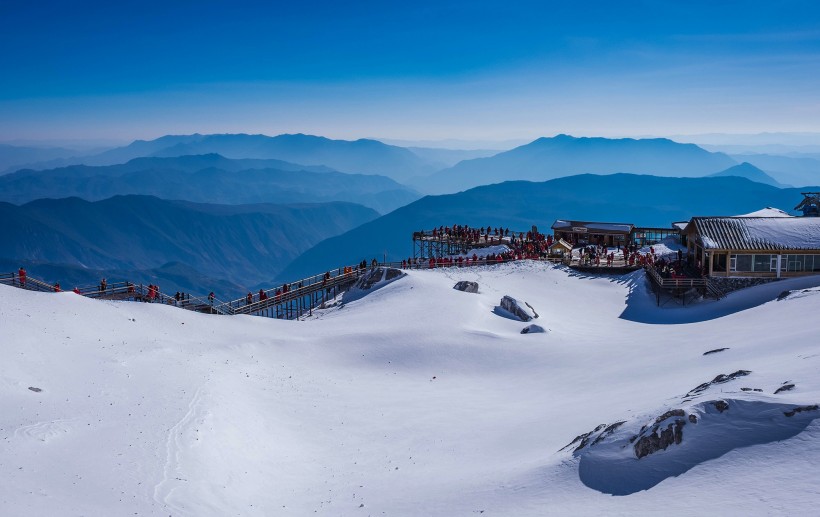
[(209, 178), (639, 199), (357, 156), (794, 169), (564, 155), (750, 172), (243, 244)]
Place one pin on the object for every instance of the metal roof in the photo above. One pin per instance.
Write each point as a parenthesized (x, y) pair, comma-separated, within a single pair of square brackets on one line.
[(758, 233), (564, 224)]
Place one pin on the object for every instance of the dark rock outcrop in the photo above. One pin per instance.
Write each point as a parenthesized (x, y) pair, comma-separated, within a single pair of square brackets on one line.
[(517, 309), (467, 287), (720, 379), (586, 439), (721, 405), (785, 387), (670, 413), (648, 444), (376, 275), (533, 329), (716, 350), (800, 409)]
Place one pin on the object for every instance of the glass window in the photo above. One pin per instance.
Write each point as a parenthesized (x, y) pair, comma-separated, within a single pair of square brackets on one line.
[(742, 262), (762, 263), (816, 261), (796, 262)]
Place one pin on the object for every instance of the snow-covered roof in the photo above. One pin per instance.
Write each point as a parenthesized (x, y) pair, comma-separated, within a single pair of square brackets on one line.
[(759, 233), (767, 212), (561, 243), (680, 225), (562, 224)]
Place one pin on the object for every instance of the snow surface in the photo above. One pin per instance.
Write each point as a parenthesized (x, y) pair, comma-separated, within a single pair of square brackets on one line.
[(414, 400), (767, 212)]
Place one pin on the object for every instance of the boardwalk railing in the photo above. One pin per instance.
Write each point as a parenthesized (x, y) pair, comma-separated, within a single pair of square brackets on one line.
[(302, 298)]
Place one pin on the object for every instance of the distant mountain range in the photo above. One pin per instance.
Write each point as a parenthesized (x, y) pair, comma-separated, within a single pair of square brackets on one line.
[(360, 156), (750, 172), (642, 200), (434, 170), (13, 156), (792, 170), (236, 244), (208, 178), (563, 155)]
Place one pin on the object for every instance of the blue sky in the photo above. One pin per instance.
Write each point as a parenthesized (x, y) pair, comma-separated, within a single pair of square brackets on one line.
[(407, 70)]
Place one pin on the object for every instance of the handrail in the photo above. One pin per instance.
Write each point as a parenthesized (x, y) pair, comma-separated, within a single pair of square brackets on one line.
[(125, 290), (675, 283)]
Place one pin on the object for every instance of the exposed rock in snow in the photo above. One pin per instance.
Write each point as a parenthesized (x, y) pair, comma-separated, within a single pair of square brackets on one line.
[(533, 329), (654, 442), (721, 405), (658, 450), (716, 350), (371, 281), (521, 310), (720, 379), (466, 286), (785, 387), (800, 409)]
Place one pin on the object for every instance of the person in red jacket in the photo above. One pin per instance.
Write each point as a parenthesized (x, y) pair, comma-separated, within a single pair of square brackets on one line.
[(22, 274), (57, 287)]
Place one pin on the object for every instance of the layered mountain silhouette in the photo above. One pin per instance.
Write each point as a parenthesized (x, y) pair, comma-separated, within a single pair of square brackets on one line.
[(15, 155), (240, 244), (563, 155), (793, 170), (639, 199), (359, 156), (750, 172), (209, 178)]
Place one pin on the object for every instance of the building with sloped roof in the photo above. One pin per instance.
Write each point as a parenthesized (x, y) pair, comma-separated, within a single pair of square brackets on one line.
[(583, 232), (755, 246)]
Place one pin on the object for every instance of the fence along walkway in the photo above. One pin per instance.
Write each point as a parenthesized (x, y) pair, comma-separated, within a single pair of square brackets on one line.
[(305, 295), (681, 285)]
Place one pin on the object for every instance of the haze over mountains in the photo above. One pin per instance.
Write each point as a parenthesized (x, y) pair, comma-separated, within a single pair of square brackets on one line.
[(208, 178), (359, 156), (639, 199), (563, 155), (248, 171), (243, 244)]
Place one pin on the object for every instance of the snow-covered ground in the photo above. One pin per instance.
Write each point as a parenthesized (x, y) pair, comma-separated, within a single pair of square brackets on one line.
[(414, 400)]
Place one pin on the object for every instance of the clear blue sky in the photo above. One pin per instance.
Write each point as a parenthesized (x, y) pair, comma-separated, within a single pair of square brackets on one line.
[(407, 70)]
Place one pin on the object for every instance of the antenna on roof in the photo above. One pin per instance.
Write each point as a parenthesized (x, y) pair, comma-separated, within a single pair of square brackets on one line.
[(810, 204)]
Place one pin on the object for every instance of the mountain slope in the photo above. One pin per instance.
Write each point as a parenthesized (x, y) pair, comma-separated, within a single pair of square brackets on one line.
[(207, 178), (243, 244), (750, 172), (416, 399), (642, 200), (360, 156), (795, 170), (563, 155)]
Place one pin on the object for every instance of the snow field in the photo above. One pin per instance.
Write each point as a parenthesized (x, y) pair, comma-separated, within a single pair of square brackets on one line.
[(414, 400)]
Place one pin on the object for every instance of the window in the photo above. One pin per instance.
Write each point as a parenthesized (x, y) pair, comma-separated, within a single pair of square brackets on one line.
[(741, 263), (797, 262), (763, 263)]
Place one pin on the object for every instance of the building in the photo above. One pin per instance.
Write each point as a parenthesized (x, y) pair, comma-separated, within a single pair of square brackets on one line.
[(648, 236), (610, 234), (560, 248), (583, 232), (772, 247)]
